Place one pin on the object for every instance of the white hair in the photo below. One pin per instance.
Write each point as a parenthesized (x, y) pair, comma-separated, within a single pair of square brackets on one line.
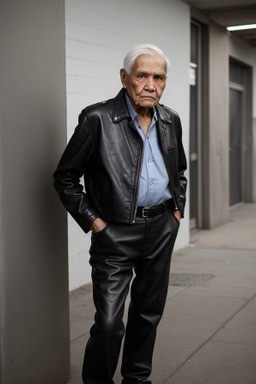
[(142, 49)]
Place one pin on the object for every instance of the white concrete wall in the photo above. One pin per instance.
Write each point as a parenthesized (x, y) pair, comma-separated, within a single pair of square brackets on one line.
[(98, 35)]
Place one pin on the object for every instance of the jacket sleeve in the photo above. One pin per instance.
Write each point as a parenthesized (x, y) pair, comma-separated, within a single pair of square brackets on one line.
[(72, 166)]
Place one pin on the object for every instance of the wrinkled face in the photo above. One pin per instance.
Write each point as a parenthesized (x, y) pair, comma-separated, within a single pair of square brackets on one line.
[(146, 82)]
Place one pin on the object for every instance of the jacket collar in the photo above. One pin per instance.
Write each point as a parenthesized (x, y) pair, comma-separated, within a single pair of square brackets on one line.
[(120, 109), (162, 113)]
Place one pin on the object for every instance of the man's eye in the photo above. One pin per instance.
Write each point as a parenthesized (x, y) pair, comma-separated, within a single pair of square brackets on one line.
[(141, 75), (158, 77)]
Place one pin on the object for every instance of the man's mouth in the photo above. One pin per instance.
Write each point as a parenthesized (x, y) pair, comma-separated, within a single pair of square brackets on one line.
[(148, 97)]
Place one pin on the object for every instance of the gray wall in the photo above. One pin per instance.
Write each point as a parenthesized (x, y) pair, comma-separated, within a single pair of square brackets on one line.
[(34, 319)]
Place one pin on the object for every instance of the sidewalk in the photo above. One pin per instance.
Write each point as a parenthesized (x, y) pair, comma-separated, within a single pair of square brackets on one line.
[(208, 331)]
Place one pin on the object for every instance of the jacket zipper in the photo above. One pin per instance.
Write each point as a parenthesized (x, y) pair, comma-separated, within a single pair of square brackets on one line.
[(137, 191)]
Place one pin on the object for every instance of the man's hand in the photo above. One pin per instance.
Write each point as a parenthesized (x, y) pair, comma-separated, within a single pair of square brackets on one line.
[(177, 214), (97, 225)]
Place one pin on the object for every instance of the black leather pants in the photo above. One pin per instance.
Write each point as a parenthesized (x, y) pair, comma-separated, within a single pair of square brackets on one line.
[(119, 253)]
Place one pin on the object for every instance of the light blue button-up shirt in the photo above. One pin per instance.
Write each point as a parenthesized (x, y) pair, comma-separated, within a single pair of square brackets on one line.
[(154, 187)]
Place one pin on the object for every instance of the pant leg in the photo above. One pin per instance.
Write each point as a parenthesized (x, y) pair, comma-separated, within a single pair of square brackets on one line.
[(148, 297), (112, 260)]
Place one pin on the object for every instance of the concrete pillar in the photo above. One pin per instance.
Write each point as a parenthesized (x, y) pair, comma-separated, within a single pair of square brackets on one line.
[(218, 127), (34, 316)]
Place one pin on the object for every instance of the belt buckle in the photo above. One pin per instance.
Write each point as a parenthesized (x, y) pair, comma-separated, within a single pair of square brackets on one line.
[(143, 213)]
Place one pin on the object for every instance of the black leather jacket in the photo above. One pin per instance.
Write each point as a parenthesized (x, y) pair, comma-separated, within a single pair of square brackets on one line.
[(107, 150)]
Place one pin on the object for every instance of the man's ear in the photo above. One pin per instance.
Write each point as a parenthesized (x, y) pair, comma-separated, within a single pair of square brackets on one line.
[(123, 77)]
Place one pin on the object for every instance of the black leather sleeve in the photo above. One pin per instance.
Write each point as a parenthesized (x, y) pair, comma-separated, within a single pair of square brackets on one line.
[(76, 158)]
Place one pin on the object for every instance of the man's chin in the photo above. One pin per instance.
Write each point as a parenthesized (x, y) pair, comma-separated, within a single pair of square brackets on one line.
[(148, 103)]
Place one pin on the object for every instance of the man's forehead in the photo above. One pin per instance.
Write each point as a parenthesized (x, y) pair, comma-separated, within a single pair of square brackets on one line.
[(150, 64)]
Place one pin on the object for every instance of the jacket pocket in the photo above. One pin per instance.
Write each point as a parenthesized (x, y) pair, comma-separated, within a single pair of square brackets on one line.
[(100, 232)]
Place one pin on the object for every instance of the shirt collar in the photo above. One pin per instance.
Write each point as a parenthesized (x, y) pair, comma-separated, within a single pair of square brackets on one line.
[(133, 113)]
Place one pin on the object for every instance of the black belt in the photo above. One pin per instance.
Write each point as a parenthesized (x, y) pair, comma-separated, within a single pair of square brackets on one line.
[(152, 211)]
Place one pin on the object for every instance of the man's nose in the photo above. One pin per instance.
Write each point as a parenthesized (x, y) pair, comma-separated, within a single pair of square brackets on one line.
[(150, 85)]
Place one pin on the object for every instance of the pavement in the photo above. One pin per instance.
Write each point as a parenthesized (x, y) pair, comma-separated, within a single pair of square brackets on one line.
[(208, 331)]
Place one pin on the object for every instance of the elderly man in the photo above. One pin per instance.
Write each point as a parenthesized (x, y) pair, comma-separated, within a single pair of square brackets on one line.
[(129, 150)]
